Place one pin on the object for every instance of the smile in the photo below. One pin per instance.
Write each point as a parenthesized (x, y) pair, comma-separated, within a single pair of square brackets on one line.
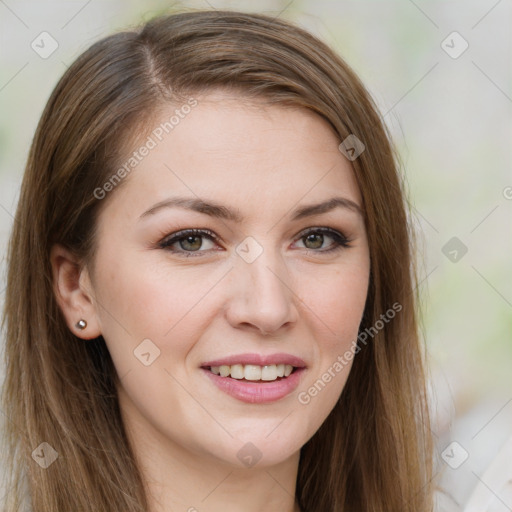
[(253, 372), (256, 378)]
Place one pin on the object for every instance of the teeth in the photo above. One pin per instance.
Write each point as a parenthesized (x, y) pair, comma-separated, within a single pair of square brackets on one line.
[(253, 371), (237, 371), (269, 372)]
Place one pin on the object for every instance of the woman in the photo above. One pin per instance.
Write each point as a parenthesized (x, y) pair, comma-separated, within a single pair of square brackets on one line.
[(210, 300)]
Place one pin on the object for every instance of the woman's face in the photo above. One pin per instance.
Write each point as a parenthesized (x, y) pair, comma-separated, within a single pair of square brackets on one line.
[(201, 324)]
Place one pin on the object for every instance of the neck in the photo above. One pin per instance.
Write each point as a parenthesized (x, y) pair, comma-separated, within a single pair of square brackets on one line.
[(194, 484), (180, 479), (216, 489)]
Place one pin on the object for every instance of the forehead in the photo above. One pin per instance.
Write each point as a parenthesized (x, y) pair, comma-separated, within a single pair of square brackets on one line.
[(244, 153)]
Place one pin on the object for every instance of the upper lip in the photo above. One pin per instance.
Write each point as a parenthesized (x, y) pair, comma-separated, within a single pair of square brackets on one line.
[(257, 359)]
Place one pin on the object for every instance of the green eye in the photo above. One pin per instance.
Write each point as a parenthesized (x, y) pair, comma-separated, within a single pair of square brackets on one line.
[(314, 240), (195, 242), (189, 241)]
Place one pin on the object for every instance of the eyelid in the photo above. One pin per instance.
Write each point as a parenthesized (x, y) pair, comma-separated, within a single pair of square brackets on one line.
[(183, 233), (342, 241), (320, 229)]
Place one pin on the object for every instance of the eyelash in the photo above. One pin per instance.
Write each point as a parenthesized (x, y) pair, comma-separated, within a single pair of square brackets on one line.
[(340, 240)]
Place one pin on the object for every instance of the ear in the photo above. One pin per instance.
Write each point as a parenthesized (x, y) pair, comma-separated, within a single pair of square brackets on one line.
[(74, 293)]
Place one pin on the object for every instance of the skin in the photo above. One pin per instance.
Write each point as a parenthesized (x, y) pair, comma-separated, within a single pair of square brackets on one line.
[(265, 162)]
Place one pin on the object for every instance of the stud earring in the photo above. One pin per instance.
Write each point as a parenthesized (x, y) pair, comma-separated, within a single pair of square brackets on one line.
[(81, 324)]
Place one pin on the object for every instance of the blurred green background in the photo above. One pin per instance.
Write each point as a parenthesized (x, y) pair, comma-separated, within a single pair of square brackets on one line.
[(450, 117)]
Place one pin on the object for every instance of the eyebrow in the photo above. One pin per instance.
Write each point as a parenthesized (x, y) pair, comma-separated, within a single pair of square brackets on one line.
[(219, 211)]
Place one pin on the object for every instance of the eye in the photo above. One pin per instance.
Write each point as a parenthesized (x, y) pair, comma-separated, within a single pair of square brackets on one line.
[(189, 241), (315, 238)]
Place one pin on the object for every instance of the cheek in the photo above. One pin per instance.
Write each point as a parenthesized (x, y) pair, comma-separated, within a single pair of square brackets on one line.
[(337, 300), (141, 301), (335, 310)]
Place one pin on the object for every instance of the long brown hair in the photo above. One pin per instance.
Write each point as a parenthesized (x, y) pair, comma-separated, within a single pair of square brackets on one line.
[(373, 452)]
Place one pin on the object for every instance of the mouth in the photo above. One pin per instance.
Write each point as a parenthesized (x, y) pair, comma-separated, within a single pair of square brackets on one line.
[(254, 378), (253, 372)]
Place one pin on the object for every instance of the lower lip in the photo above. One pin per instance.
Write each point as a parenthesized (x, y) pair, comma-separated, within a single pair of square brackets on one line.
[(256, 392)]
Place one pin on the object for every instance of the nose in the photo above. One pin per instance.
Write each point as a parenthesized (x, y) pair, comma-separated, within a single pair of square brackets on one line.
[(262, 296)]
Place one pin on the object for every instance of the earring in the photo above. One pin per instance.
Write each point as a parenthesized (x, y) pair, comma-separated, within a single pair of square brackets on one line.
[(81, 324)]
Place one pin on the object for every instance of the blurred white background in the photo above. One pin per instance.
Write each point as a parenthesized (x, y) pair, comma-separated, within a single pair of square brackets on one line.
[(449, 109)]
